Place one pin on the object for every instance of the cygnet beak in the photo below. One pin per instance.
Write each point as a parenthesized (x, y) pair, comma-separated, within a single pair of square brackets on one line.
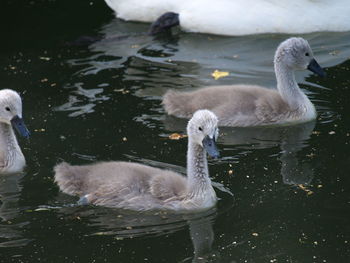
[(19, 125), (210, 146), (316, 68)]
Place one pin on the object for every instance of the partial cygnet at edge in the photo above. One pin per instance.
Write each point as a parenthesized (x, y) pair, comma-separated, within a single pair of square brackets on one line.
[(11, 157)]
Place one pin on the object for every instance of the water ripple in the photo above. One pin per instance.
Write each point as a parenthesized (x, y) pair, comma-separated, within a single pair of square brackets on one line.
[(81, 101)]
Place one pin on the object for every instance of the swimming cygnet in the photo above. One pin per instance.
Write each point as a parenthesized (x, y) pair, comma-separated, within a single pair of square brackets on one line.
[(11, 157), (250, 105), (139, 187)]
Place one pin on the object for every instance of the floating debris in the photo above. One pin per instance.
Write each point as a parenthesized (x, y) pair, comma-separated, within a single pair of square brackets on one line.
[(177, 136), (334, 52), (219, 74), (41, 209), (123, 91), (311, 155), (45, 58), (308, 191)]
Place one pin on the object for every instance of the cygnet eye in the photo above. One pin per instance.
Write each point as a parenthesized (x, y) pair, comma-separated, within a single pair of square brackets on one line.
[(307, 54), (8, 109), (200, 128)]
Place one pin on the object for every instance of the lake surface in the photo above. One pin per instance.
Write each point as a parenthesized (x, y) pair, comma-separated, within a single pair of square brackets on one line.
[(284, 191)]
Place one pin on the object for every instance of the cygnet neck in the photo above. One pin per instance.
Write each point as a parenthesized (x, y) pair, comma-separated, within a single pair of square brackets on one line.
[(197, 169), (8, 143), (288, 87)]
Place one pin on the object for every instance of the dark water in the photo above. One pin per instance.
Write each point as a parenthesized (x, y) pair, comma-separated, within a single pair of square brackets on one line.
[(286, 198)]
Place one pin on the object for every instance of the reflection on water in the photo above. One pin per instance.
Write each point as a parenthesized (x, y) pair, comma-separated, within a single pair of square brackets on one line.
[(202, 237), (9, 191), (291, 140), (295, 170), (248, 59), (82, 101), (130, 224), (10, 231), (124, 225), (152, 65)]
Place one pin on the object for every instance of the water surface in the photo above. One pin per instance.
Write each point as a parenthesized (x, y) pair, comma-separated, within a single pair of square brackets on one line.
[(284, 191)]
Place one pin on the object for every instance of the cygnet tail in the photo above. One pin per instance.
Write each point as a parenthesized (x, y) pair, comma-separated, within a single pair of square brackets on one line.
[(70, 178), (178, 104)]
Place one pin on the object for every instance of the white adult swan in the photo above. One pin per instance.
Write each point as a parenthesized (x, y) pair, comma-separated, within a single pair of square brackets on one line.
[(11, 156), (241, 17), (139, 187), (248, 105)]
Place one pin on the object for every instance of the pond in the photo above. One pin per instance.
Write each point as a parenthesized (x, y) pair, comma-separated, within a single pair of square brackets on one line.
[(283, 191)]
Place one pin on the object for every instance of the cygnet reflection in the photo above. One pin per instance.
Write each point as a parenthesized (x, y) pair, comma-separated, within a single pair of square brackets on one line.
[(291, 139)]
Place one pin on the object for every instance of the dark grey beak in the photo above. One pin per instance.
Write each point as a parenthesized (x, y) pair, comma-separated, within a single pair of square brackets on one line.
[(19, 125), (164, 22), (316, 68), (210, 147)]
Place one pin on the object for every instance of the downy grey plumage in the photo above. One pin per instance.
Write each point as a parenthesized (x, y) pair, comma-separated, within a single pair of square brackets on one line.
[(11, 157), (250, 105), (139, 187)]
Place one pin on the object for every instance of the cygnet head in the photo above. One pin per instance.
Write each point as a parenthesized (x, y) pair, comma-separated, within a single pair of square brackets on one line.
[(11, 111), (202, 129), (296, 54)]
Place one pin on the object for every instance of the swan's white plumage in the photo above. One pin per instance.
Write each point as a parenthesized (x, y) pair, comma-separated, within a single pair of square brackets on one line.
[(242, 17)]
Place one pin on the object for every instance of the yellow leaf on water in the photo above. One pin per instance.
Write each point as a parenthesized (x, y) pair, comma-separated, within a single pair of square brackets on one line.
[(45, 58), (219, 74), (123, 91), (308, 191), (177, 136), (302, 187)]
